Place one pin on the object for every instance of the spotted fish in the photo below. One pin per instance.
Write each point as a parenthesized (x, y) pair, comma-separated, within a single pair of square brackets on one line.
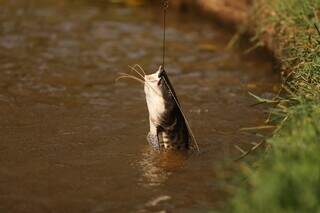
[(168, 126)]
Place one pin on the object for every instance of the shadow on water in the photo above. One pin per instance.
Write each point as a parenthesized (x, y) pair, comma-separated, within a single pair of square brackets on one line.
[(74, 141)]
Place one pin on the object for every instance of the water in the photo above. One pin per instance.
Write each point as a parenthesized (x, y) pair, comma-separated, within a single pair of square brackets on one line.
[(74, 141)]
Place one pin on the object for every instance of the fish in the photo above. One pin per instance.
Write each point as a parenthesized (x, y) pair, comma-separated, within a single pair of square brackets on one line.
[(168, 126)]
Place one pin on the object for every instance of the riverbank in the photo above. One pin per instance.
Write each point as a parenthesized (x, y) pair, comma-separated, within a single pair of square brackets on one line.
[(227, 12), (287, 178)]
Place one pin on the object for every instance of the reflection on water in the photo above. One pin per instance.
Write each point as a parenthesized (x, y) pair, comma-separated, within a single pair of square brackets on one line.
[(156, 167), (74, 141)]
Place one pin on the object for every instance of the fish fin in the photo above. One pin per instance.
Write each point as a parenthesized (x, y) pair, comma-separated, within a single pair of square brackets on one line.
[(164, 75), (154, 140), (159, 137)]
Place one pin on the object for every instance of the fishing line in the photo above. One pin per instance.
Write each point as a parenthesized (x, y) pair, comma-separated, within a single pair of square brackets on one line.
[(165, 8)]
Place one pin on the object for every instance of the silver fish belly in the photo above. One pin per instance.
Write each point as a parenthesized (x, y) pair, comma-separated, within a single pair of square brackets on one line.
[(168, 129)]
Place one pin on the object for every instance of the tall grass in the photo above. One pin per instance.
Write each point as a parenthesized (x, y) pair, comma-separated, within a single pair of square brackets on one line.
[(287, 178)]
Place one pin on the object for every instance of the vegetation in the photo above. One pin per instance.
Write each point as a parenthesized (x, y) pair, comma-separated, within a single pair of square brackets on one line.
[(287, 179)]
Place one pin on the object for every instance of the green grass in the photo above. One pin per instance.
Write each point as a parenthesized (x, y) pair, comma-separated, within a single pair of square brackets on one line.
[(287, 178)]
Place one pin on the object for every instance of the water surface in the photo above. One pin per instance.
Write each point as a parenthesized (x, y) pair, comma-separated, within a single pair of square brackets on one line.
[(74, 141)]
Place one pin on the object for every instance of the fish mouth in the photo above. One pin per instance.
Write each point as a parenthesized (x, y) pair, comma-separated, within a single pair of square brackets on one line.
[(160, 71)]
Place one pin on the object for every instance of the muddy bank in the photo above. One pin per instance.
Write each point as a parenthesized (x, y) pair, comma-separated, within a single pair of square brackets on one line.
[(233, 13)]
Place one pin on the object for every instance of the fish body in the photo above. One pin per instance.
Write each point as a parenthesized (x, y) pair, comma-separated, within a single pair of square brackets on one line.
[(168, 128)]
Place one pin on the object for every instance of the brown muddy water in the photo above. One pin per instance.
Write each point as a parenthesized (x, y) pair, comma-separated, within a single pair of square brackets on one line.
[(74, 141)]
